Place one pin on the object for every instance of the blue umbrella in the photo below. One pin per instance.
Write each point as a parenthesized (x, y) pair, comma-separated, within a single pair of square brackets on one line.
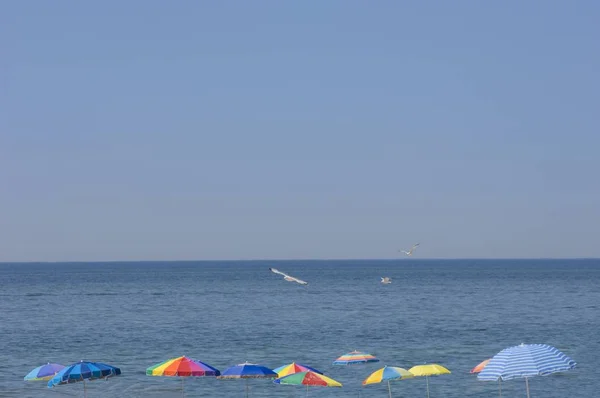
[(526, 360), (82, 371), (44, 372), (248, 371)]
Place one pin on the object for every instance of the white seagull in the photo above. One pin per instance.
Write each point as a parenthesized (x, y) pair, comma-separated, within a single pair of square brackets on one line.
[(288, 277), (386, 280), (410, 252)]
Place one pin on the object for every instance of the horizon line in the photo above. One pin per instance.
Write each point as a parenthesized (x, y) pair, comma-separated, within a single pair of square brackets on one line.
[(302, 259)]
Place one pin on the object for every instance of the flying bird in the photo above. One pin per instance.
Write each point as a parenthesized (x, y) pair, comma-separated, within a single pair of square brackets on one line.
[(386, 281), (410, 252), (288, 277)]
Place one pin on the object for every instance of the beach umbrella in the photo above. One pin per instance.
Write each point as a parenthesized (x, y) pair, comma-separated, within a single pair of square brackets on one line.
[(427, 370), (480, 367), (526, 360), (44, 372), (355, 357), (248, 371), (308, 379), (388, 373), (82, 371), (182, 367), (293, 368)]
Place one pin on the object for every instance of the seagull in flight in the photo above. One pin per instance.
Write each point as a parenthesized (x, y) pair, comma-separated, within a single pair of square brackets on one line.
[(410, 252), (288, 277), (386, 280)]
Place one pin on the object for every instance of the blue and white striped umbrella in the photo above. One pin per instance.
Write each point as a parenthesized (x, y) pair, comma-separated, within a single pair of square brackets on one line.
[(526, 360)]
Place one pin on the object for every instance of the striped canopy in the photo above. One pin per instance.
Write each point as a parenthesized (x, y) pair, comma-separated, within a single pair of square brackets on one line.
[(308, 379), (182, 366), (293, 368), (82, 371), (526, 360), (44, 372), (355, 357)]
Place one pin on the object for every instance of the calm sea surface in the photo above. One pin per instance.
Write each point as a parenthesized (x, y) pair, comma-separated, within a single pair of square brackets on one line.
[(454, 312)]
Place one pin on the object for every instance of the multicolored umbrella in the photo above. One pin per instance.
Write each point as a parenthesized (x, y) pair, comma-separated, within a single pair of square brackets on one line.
[(82, 371), (248, 371), (294, 368), (526, 360), (308, 379), (355, 357), (388, 373), (182, 367), (432, 369), (44, 372)]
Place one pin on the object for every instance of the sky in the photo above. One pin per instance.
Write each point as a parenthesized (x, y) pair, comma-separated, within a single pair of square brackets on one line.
[(190, 130)]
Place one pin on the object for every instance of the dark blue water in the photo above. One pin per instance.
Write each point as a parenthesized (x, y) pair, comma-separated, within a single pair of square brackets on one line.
[(455, 313)]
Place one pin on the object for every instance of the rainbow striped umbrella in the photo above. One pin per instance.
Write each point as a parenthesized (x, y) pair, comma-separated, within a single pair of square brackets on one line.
[(182, 367), (388, 373), (355, 357), (308, 379), (44, 372), (294, 368)]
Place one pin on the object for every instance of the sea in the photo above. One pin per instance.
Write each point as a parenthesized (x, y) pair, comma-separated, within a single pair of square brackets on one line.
[(455, 313)]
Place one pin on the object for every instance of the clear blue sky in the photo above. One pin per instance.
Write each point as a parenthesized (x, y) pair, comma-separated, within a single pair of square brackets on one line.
[(150, 130)]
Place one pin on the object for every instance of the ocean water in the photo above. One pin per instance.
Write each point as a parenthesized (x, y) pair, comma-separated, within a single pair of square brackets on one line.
[(452, 312)]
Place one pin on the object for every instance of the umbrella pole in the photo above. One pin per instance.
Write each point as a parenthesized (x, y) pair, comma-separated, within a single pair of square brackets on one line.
[(500, 387), (527, 386), (246, 388), (84, 389), (389, 389), (427, 381), (307, 390), (182, 388)]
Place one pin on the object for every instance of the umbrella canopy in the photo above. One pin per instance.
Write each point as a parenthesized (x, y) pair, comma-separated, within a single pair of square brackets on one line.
[(308, 378), (480, 367), (82, 371), (182, 366), (388, 373), (526, 360), (355, 357), (432, 369), (293, 368), (248, 371), (44, 372)]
